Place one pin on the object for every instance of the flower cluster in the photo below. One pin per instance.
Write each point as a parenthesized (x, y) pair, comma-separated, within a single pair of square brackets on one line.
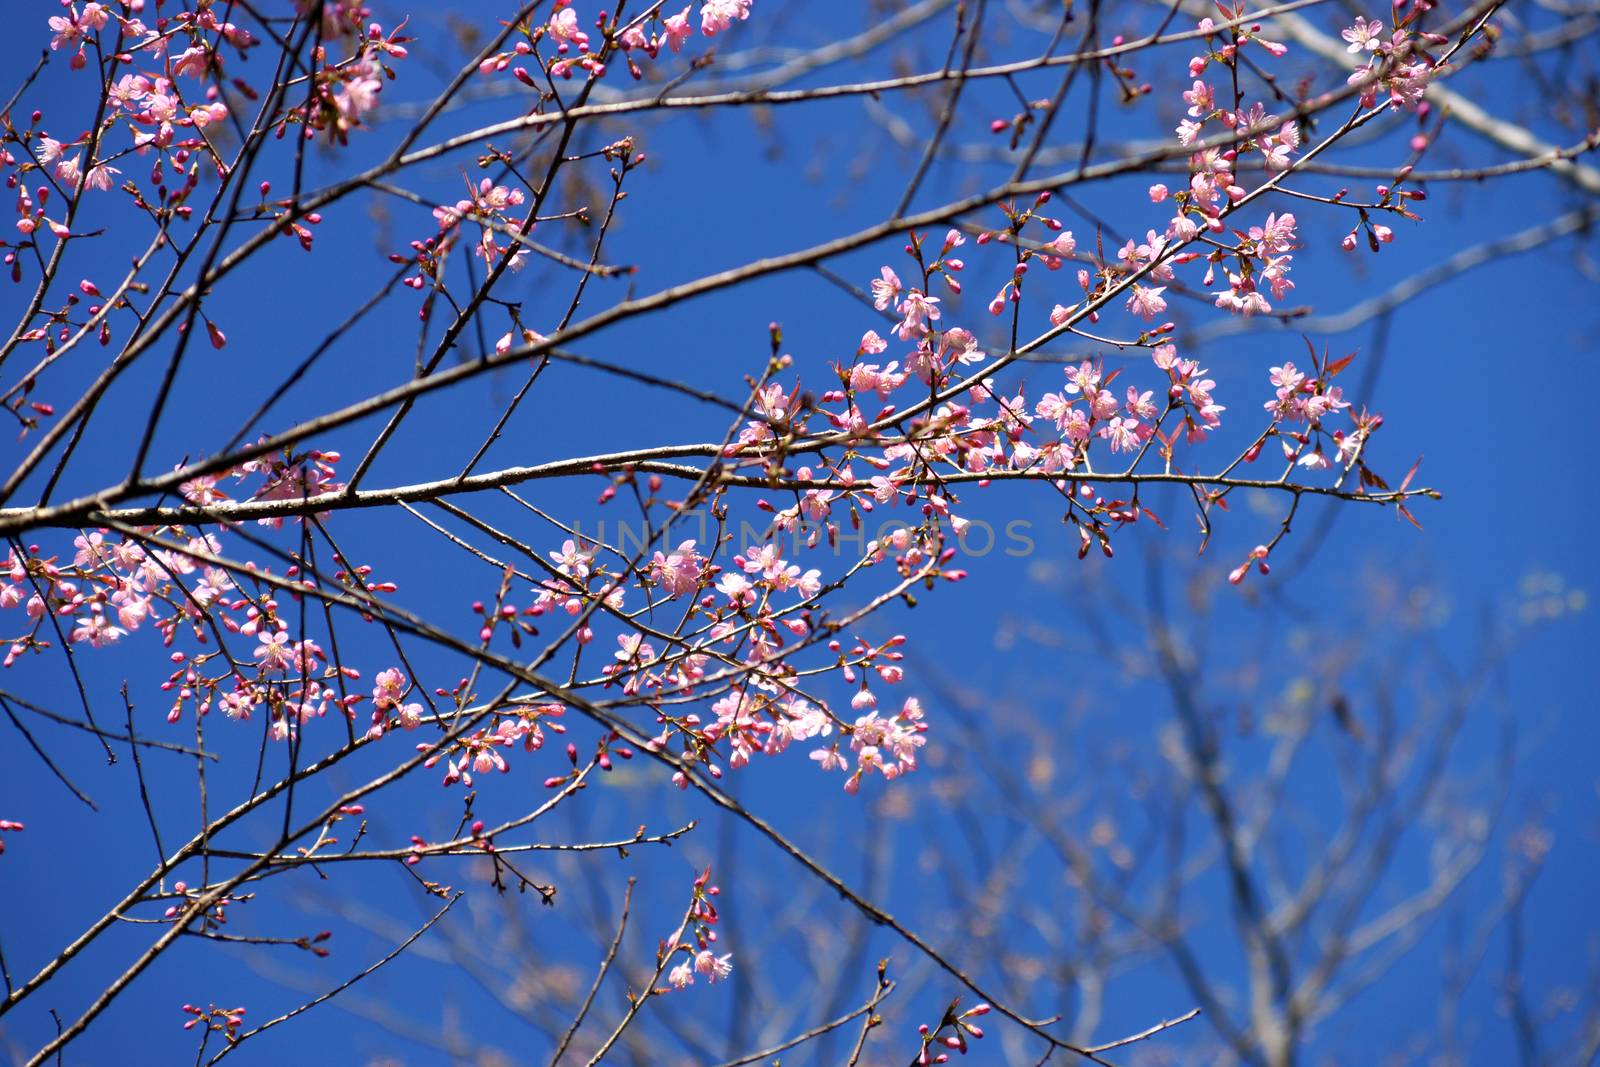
[(225, 1021), (745, 625), (178, 584), (696, 938), (1397, 64), (577, 49), (951, 1033), (484, 750), (886, 745), (487, 204)]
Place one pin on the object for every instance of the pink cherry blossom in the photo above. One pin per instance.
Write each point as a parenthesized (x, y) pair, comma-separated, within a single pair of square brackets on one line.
[(678, 29), (718, 15), (1363, 35)]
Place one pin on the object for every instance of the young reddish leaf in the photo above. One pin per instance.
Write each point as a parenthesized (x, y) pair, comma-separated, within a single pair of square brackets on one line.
[(1412, 473), (1337, 365)]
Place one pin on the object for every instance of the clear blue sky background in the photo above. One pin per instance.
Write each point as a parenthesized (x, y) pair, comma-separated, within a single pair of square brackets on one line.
[(1483, 377)]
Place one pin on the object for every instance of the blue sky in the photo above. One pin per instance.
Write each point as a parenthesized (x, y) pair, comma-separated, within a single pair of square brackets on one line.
[(1477, 378)]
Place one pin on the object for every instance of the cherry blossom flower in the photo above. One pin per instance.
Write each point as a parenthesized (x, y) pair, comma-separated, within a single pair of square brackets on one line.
[(714, 968), (563, 26), (718, 15), (67, 31), (192, 62), (678, 29), (1123, 433), (1201, 99), (96, 630), (677, 573), (1363, 35), (886, 289), (1146, 302)]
